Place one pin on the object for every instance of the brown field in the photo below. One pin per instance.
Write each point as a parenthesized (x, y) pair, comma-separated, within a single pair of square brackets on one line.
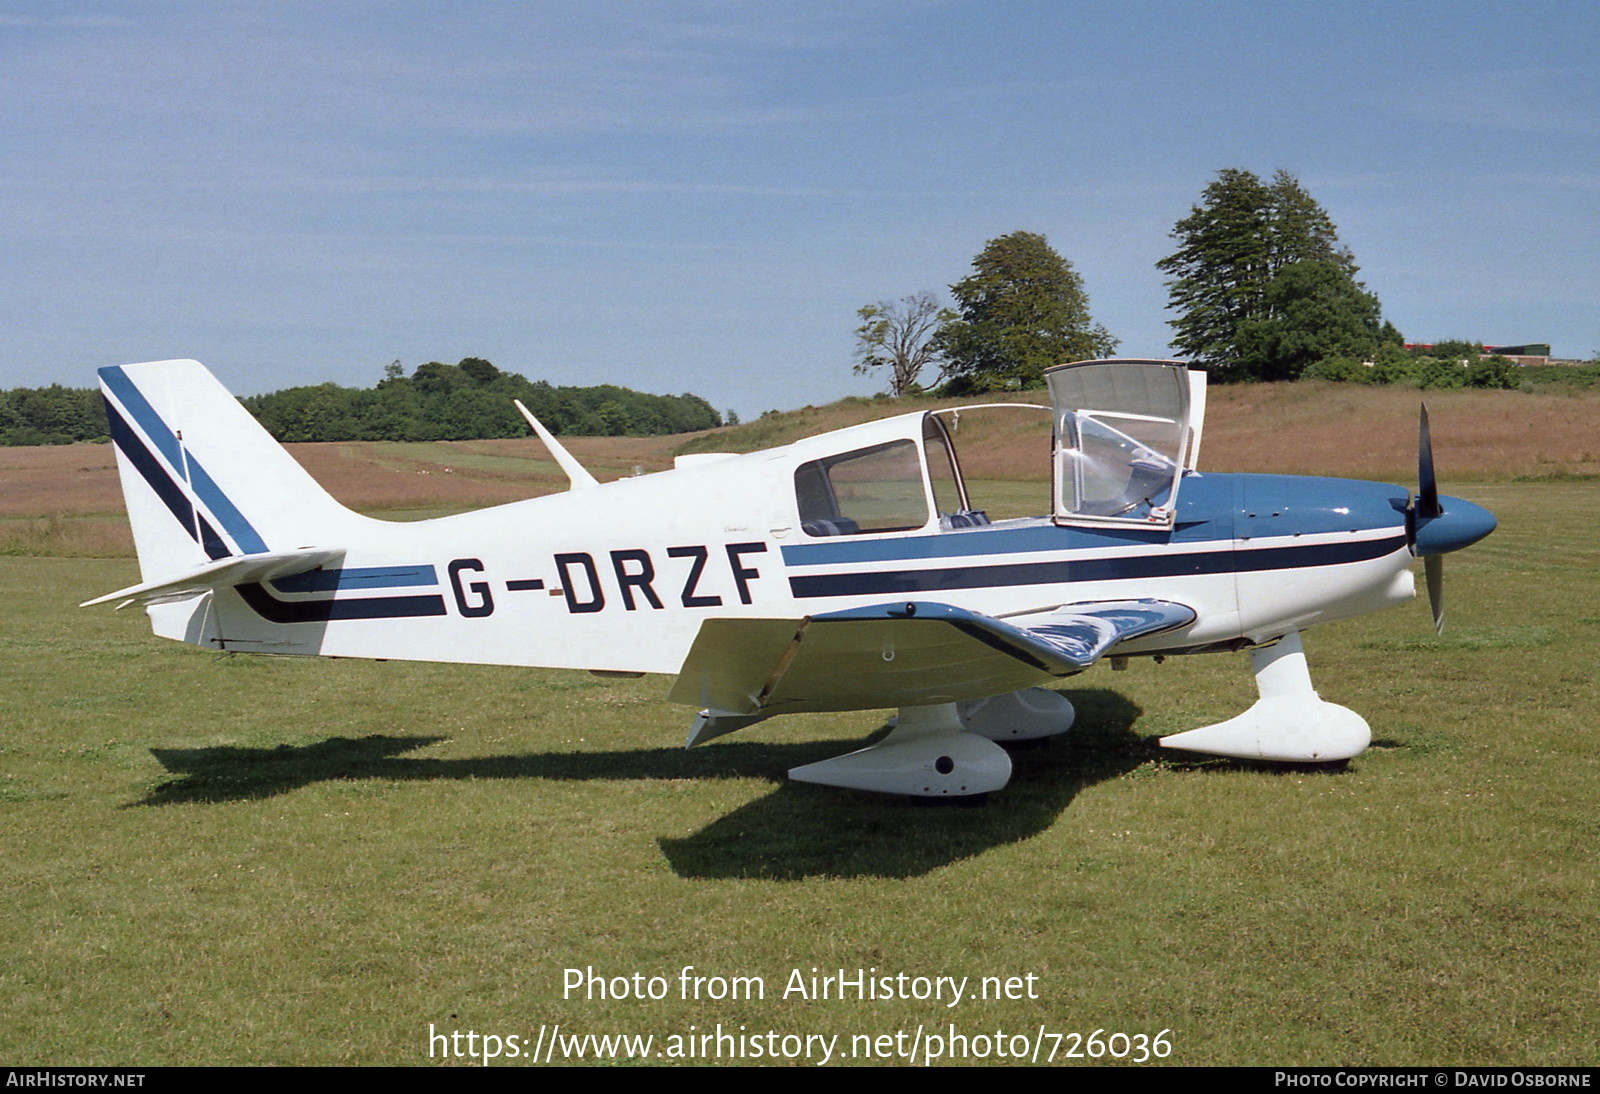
[(1371, 432), (66, 501)]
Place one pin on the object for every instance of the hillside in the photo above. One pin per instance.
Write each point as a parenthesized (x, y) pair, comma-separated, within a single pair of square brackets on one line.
[(1304, 428)]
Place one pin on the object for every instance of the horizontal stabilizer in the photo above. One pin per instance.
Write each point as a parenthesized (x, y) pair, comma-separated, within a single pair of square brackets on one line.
[(902, 654), (222, 574)]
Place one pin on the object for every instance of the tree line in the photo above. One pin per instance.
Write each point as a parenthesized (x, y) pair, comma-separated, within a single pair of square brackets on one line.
[(470, 400), (1260, 284)]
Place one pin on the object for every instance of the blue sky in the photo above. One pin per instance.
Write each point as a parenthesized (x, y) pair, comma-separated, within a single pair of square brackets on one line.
[(698, 196)]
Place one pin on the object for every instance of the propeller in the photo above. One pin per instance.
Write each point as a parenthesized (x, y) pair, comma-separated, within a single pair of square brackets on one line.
[(1431, 532), (1425, 507), (1427, 485)]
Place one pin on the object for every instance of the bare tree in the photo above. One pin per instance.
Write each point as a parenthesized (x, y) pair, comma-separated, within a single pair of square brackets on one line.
[(899, 337)]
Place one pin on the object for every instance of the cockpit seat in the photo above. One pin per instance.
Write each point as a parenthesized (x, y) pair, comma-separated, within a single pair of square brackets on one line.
[(838, 526), (964, 518)]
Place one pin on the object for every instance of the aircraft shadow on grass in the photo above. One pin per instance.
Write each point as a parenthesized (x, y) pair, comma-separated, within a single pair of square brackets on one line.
[(797, 831)]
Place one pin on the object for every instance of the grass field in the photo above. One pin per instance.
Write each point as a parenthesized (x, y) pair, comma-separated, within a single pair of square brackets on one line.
[(214, 859)]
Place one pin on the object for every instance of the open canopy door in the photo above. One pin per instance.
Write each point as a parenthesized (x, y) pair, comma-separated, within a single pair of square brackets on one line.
[(1122, 439)]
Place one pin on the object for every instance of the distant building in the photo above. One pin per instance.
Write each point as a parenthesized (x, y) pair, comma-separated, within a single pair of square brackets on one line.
[(1534, 353)]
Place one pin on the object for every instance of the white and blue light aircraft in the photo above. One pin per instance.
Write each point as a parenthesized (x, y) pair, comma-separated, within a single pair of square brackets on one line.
[(848, 571)]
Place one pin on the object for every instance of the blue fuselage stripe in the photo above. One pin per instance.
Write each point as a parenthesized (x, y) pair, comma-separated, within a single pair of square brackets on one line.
[(357, 577), (993, 541), (1066, 571), (323, 611)]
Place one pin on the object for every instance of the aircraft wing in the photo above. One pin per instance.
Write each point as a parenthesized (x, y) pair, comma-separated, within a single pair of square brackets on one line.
[(901, 654), (223, 573)]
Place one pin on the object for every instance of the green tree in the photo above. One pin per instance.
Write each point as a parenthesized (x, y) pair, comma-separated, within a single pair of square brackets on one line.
[(1393, 365), (899, 337), (1299, 229), (1314, 311), (1344, 370), (1022, 309), (51, 415), (1261, 284), (481, 371), (434, 378), (615, 418), (1441, 372), (1493, 371)]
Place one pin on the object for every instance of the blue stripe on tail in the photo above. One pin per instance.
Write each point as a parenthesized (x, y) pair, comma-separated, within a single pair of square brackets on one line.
[(170, 493), (171, 449)]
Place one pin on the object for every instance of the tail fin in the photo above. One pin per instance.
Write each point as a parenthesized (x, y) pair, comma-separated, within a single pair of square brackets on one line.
[(202, 479)]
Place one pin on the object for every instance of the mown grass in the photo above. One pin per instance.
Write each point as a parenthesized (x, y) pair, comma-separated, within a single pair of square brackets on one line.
[(214, 859)]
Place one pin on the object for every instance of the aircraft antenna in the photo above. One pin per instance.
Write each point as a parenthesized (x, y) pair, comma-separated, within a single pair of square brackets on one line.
[(576, 474)]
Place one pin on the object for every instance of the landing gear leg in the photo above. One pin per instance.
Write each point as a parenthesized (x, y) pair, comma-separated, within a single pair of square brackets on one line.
[(1290, 723)]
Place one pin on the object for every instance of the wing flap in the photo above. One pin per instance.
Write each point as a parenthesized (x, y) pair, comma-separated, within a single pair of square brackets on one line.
[(731, 662), (222, 574), (902, 654)]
